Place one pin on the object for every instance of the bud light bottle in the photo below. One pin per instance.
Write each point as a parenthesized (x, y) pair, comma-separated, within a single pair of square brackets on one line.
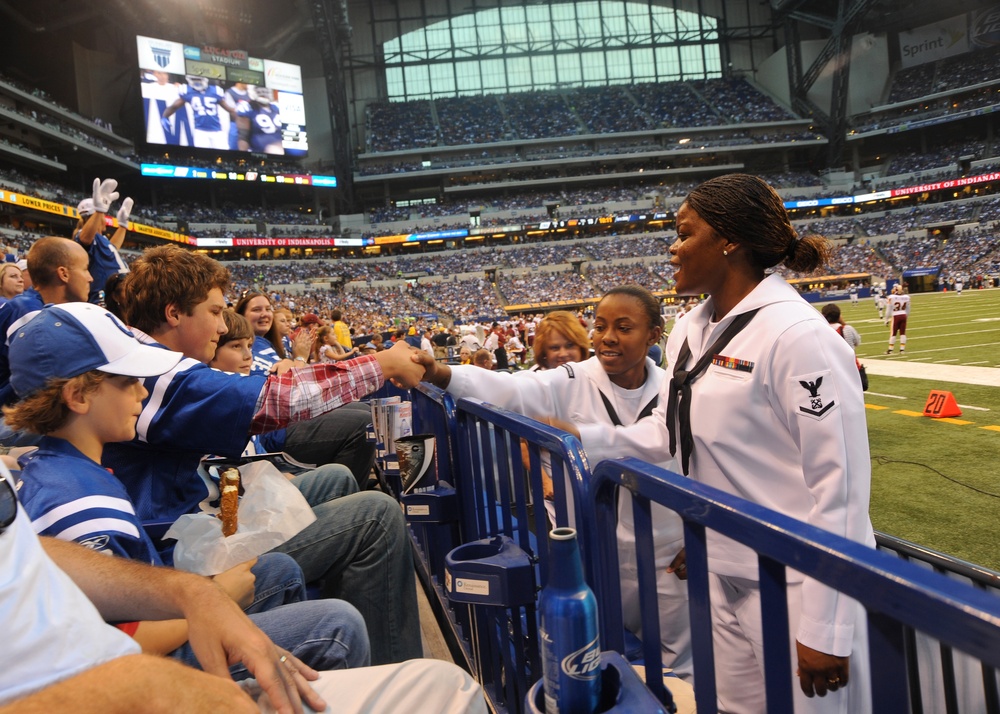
[(571, 648)]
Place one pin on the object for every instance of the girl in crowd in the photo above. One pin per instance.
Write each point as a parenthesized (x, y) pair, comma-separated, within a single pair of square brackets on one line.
[(268, 349), (618, 385), (11, 282), (283, 327), (328, 347), (559, 338)]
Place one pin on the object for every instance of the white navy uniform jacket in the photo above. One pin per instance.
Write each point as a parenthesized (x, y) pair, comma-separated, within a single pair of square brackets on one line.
[(780, 423), (572, 392)]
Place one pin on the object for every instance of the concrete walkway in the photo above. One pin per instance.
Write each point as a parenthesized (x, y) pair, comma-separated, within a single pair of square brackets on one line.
[(889, 367)]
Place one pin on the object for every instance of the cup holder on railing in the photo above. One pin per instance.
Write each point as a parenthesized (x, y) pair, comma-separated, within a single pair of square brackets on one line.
[(622, 692), (437, 506), (494, 571)]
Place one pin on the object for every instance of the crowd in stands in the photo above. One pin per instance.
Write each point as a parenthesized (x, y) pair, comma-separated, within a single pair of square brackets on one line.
[(470, 120), (948, 74), (45, 96), (537, 287), (592, 104), (915, 218), (937, 157), (512, 159), (541, 114), (395, 126), (939, 108), (966, 252), (649, 276), (740, 103), (464, 300), (628, 247)]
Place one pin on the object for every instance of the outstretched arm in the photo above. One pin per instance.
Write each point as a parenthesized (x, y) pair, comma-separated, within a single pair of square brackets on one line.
[(137, 683), (219, 632)]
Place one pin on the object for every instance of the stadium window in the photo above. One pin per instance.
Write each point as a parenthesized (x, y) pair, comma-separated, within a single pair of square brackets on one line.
[(643, 66), (513, 27), (619, 66), (519, 73), (539, 21), (467, 78), (443, 79), (417, 79), (568, 69), (493, 75), (543, 46), (394, 82)]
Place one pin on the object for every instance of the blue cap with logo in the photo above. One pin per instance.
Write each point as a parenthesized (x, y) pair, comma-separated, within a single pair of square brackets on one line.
[(67, 340)]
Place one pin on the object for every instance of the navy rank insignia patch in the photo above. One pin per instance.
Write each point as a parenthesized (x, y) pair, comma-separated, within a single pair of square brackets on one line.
[(812, 402)]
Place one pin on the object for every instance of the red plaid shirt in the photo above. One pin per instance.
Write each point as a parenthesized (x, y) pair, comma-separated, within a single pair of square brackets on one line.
[(306, 392)]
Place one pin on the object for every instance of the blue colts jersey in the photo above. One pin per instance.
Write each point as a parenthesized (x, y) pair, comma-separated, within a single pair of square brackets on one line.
[(265, 126), (205, 107)]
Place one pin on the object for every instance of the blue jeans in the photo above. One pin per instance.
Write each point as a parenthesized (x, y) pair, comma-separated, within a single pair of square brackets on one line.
[(278, 581), (9, 437), (359, 548), (325, 634), (337, 437)]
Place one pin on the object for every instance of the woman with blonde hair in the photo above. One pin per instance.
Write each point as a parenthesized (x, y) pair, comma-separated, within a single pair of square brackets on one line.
[(11, 282), (559, 338)]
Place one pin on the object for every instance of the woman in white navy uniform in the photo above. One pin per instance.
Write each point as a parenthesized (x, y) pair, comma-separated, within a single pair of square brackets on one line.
[(618, 385), (777, 418)]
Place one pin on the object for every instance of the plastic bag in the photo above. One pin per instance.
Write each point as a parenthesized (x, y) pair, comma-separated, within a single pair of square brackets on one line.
[(271, 511)]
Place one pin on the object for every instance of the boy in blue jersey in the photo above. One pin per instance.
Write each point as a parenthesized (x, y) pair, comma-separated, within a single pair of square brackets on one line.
[(105, 260), (358, 546), (78, 369), (206, 100)]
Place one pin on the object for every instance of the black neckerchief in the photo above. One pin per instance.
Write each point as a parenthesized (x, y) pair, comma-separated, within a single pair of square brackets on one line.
[(646, 410), (680, 386)]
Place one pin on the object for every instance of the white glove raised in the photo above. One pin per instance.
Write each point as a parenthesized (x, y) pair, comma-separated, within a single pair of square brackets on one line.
[(125, 211), (104, 194)]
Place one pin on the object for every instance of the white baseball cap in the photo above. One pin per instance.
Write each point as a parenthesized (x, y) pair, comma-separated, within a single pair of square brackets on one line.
[(85, 207)]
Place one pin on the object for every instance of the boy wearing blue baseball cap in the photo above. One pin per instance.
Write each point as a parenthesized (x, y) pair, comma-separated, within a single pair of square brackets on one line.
[(78, 371)]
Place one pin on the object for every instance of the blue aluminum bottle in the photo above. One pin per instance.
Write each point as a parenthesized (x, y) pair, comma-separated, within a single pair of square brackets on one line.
[(571, 648)]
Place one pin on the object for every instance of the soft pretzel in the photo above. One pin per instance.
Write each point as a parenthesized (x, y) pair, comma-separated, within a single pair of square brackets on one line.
[(229, 483)]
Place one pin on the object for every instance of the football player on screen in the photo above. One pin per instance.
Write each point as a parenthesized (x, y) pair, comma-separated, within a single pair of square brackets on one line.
[(205, 101), (258, 123), (237, 97)]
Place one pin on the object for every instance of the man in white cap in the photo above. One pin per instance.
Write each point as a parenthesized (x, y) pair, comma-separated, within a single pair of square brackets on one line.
[(59, 272), (23, 265), (105, 259)]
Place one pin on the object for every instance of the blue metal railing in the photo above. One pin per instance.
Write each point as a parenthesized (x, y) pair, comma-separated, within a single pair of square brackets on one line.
[(896, 595), (910, 608), (500, 497), (942, 680)]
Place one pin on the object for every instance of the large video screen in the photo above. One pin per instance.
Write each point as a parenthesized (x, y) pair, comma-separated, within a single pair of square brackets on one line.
[(220, 99)]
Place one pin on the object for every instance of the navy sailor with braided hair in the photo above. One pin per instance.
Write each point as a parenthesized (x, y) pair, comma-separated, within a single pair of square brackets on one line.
[(763, 402)]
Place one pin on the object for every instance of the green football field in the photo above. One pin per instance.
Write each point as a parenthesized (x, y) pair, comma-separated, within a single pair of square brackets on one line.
[(936, 482)]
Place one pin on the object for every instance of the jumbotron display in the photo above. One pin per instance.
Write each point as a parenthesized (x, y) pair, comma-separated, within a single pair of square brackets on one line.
[(220, 99)]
